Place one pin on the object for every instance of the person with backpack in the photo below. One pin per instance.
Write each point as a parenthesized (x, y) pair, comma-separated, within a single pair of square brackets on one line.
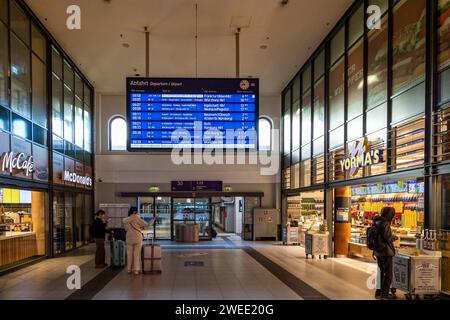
[(381, 240)]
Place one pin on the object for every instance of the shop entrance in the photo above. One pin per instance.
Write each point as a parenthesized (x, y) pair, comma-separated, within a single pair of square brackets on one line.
[(23, 217), (356, 206)]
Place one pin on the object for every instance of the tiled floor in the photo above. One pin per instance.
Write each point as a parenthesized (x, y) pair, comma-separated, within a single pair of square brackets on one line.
[(228, 272)]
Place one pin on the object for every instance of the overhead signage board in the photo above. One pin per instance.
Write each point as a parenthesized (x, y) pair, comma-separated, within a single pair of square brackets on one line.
[(197, 186), (197, 113)]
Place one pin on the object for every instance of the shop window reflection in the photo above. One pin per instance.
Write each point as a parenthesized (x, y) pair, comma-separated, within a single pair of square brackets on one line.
[(377, 141), (409, 144), (335, 172)]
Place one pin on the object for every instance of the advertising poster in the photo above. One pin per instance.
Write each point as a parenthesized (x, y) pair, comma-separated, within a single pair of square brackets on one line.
[(401, 276), (337, 95), (426, 276), (409, 44), (377, 65)]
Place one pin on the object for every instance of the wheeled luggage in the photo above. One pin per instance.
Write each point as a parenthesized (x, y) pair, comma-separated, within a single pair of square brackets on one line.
[(118, 254), (151, 257)]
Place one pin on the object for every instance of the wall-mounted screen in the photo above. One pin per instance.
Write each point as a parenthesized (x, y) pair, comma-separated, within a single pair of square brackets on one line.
[(165, 113)]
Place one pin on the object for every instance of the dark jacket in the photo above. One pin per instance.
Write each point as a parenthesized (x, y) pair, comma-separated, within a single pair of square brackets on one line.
[(98, 229), (385, 237)]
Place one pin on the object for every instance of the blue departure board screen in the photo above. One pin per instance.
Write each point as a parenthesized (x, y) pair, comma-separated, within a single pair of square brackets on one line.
[(192, 113)]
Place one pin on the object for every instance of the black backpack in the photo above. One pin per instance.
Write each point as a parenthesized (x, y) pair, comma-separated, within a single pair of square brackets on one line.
[(372, 236)]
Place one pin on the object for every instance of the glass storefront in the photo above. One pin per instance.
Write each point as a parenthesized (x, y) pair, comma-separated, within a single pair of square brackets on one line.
[(32, 66), (23, 225), (379, 148)]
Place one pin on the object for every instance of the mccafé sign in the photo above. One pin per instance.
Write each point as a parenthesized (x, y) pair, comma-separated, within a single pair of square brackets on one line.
[(361, 156), (76, 178), (17, 162)]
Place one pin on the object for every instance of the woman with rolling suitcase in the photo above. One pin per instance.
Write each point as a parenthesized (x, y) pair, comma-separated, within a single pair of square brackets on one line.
[(134, 238)]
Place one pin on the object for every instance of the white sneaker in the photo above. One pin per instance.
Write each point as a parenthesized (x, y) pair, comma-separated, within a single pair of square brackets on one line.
[(129, 271), (137, 273)]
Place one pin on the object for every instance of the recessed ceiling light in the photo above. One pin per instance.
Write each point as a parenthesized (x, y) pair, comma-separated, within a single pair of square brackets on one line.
[(263, 46), (125, 45)]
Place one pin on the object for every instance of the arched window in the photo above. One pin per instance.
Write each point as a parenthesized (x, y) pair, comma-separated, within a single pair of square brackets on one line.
[(117, 134), (265, 133)]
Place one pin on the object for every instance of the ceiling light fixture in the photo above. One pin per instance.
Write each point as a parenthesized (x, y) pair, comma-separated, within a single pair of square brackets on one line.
[(284, 2), (263, 47), (125, 45)]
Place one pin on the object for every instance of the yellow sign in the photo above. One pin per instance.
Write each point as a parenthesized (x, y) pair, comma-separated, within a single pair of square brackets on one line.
[(361, 156)]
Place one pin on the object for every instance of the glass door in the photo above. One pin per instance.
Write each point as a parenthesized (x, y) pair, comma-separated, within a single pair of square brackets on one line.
[(183, 212), (163, 224), (203, 217)]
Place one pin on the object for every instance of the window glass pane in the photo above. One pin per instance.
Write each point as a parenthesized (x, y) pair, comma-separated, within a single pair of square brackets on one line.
[(40, 157), (68, 75), (296, 156), (318, 146), (306, 152), (337, 137), (377, 65), (19, 145), (56, 63), (264, 137), (408, 104), (19, 22), (68, 114), (20, 77), (68, 220), (58, 168), (296, 89), (287, 122), (337, 115), (306, 79), (69, 149), (4, 65), (118, 133), (377, 141), (355, 80), (319, 109), (38, 42), (21, 127), (355, 129), (444, 86), (306, 118), (319, 66), (443, 34), (58, 144), (39, 96), (78, 86), (39, 135), (305, 173), (383, 4), (338, 45), (4, 119), (57, 106), (356, 26), (87, 95), (409, 44), (4, 11), (79, 126), (87, 129), (296, 125), (376, 118)]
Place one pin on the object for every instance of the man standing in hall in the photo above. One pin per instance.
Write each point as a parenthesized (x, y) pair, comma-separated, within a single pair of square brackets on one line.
[(98, 233)]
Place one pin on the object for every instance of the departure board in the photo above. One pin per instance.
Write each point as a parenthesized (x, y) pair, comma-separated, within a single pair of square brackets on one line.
[(195, 113)]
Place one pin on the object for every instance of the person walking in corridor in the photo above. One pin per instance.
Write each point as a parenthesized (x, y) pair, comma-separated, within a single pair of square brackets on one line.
[(385, 250), (98, 233), (134, 238)]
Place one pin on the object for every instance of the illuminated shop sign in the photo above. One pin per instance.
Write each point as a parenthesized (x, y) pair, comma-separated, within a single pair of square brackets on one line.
[(76, 178), (19, 162), (361, 156)]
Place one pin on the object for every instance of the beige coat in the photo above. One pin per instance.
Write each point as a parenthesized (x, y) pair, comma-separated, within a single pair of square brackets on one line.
[(133, 225)]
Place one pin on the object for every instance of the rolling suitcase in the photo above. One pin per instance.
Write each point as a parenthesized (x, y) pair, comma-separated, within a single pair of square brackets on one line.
[(151, 257), (118, 254)]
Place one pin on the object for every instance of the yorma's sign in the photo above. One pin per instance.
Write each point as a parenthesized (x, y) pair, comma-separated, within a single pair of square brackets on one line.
[(17, 162), (361, 156)]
